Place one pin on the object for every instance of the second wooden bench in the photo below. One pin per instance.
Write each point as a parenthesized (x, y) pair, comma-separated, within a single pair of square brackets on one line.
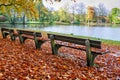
[(36, 36)]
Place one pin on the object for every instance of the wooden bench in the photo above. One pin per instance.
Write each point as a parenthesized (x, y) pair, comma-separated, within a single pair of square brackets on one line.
[(36, 36), (88, 44), (6, 31)]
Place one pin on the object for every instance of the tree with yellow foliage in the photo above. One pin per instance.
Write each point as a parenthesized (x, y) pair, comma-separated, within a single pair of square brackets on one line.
[(90, 13), (19, 8), (22, 8), (42, 10)]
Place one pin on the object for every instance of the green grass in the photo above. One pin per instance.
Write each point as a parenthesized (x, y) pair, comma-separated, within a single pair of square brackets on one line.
[(111, 42)]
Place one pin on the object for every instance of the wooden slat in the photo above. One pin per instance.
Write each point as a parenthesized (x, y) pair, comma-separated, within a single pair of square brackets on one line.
[(81, 41), (4, 29), (38, 34), (27, 36), (26, 32), (83, 49), (7, 30), (11, 30), (71, 47)]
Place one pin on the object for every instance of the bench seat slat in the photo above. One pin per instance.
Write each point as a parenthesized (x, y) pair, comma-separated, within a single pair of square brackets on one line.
[(6, 32), (27, 36), (83, 49)]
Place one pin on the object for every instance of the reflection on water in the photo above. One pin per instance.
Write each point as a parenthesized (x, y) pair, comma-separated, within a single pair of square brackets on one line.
[(105, 32)]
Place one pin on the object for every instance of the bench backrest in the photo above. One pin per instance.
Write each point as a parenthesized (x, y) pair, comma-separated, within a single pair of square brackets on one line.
[(38, 34), (7, 29), (80, 41), (31, 33)]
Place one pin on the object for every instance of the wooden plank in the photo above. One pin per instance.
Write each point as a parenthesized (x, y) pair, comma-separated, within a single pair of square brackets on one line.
[(4, 29), (38, 34), (81, 41), (27, 36), (83, 49), (26, 32), (11, 30), (7, 30)]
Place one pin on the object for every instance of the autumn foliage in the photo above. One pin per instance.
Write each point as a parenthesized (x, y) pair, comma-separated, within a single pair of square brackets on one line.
[(11, 7), (24, 62)]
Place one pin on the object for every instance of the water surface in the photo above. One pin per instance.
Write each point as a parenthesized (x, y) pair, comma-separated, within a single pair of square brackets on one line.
[(104, 32)]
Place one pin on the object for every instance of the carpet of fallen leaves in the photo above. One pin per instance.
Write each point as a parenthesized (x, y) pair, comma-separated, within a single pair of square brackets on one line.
[(24, 62)]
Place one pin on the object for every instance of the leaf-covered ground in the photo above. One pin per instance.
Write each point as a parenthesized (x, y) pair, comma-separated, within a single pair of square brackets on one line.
[(24, 62)]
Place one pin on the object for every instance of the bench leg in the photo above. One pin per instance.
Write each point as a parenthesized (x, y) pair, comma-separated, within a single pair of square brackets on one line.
[(13, 37), (54, 51), (4, 34), (22, 39), (38, 43), (53, 46), (90, 57)]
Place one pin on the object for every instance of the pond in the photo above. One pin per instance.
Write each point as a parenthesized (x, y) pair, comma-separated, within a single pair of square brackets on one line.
[(104, 32)]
